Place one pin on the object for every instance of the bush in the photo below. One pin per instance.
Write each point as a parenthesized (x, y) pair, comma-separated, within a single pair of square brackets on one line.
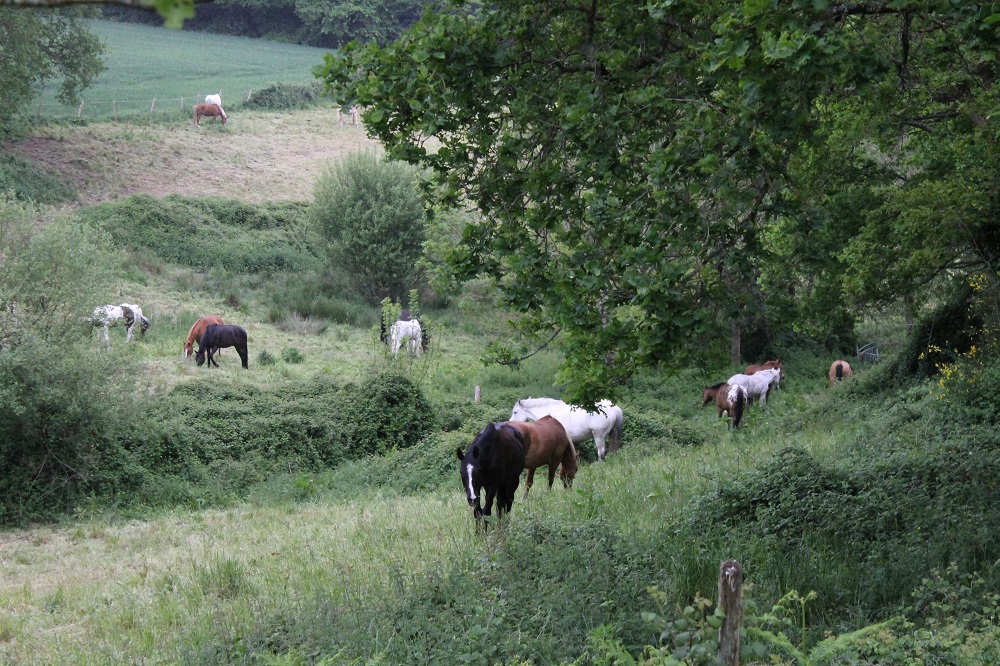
[(386, 413), (370, 214), (26, 182), (204, 232), (284, 97)]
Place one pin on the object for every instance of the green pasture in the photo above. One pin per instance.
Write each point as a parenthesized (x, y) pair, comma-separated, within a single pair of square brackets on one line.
[(155, 71)]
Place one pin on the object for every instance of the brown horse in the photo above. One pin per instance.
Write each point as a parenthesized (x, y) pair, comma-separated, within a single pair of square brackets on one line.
[(546, 443), (213, 110), (194, 335), (838, 371), (775, 364), (729, 400)]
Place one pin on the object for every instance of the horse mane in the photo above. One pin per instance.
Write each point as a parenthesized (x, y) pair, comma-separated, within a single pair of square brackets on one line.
[(715, 387), (539, 402)]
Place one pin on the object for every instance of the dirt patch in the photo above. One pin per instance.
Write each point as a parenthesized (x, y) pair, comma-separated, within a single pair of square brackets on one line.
[(255, 157)]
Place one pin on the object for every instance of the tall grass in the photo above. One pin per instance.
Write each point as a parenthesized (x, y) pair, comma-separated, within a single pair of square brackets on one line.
[(177, 69)]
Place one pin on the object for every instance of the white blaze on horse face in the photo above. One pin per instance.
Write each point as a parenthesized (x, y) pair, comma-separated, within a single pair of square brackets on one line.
[(468, 479)]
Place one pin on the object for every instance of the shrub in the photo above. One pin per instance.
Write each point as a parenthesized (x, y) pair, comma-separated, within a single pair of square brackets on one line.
[(387, 412), (29, 183), (285, 96), (370, 214), (206, 233), (292, 355)]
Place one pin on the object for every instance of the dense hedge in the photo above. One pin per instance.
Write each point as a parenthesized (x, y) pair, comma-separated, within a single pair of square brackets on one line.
[(210, 232), (285, 97)]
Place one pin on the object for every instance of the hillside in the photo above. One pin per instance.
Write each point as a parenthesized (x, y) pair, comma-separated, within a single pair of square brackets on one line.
[(256, 157)]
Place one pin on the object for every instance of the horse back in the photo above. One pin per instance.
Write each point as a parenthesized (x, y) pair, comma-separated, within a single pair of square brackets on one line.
[(545, 440)]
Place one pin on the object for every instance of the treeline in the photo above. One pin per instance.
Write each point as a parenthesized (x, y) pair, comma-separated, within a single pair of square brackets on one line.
[(308, 22)]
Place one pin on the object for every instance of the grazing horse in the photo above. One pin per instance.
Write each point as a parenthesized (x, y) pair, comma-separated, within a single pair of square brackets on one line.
[(711, 392), (425, 338), (127, 315), (581, 425), (767, 365), (547, 443), (194, 335), (493, 461), (838, 371), (218, 336), (212, 110), (402, 331), (758, 385), (732, 400), (217, 100)]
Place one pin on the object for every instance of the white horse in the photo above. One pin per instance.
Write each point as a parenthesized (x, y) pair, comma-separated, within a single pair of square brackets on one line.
[(580, 424), (216, 99), (758, 385), (402, 331), (127, 315)]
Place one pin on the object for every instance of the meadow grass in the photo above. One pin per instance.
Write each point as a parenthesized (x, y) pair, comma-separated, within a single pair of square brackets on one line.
[(178, 68)]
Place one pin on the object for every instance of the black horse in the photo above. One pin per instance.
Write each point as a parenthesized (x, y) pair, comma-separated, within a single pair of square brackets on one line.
[(218, 336), (495, 460)]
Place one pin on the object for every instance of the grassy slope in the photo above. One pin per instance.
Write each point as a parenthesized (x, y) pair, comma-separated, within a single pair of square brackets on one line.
[(178, 69), (100, 590)]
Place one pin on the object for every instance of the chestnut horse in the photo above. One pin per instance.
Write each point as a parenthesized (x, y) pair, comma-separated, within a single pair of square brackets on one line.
[(213, 110), (194, 335), (838, 371), (767, 365), (729, 399), (546, 443)]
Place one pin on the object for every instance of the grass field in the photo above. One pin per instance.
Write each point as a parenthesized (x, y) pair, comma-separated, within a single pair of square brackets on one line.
[(177, 68)]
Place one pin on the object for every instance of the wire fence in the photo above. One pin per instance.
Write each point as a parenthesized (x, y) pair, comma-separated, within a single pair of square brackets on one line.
[(114, 108)]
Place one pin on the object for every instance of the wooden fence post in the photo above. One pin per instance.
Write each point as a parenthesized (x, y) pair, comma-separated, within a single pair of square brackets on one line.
[(152, 107), (731, 603), (476, 398), (79, 111)]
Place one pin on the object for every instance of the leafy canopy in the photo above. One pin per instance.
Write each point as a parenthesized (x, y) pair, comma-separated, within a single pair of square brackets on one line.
[(647, 175)]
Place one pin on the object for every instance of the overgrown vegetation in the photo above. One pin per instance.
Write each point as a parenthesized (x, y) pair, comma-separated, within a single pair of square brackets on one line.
[(284, 97)]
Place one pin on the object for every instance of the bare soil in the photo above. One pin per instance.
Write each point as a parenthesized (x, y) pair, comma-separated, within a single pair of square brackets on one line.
[(256, 157)]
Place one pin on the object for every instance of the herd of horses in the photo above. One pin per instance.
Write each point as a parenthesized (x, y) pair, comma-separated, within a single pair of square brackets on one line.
[(541, 432)]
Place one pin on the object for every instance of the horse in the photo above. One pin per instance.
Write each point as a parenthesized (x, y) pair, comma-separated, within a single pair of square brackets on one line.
[(547, 443), (110, 316), (580, 424), (710, 393), (766, 365), (402, 331), (217, 100), (838, 371), (493, 461), (219, 336), (194, 335), (758, 385), (213, 110), (425, 338), (733, 401)]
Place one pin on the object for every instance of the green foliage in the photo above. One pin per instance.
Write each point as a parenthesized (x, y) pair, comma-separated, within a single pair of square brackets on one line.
[(40, 46), (65, 404), (27, 182), (292, 355), (756, 181), (284, 97), (385, 413), (207, 232), (370, 214)]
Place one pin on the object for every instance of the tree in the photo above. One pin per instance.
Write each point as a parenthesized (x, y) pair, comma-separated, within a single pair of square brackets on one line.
[(371, 215), (173, 11), (39, 46), (644, 172)]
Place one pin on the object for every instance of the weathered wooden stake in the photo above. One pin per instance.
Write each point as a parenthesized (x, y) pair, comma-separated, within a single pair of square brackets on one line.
[(731, 603), (152, 107), (477, 395), (79, 111)]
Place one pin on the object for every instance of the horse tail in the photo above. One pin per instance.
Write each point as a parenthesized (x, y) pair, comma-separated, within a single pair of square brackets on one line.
[(840, 371), (615, 436), (738, 405)]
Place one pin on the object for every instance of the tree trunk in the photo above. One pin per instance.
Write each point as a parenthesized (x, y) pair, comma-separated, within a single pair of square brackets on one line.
[(735, 351)]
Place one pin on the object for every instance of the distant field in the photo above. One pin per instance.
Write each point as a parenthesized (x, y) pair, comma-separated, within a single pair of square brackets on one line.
[(177, 68)]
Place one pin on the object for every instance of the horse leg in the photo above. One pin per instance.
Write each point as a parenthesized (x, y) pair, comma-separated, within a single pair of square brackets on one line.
[(552, 472), (242, 351), (529, 478), (599, 443)]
